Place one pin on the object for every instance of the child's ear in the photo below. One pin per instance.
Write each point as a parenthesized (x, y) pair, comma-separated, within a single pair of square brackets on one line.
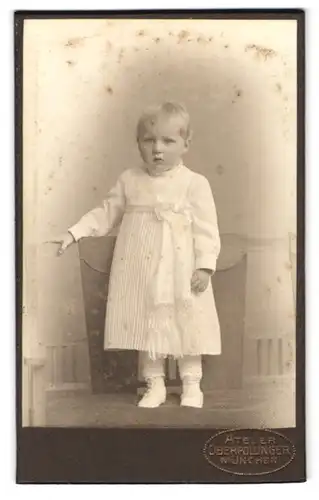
[(188, 140)]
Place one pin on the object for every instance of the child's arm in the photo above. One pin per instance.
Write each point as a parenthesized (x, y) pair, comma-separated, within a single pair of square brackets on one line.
[(205, 227), (99, 221)]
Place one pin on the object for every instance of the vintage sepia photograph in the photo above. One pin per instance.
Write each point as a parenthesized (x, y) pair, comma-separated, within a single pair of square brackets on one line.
[(159, 223)]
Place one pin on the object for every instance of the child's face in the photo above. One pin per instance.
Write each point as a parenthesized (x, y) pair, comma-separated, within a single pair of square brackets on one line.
[(161, 144)]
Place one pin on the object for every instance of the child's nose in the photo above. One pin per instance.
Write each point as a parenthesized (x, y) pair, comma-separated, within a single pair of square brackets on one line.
[(157, 147)]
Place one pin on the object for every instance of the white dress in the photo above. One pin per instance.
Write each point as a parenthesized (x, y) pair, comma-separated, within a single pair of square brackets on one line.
[(167, 229)]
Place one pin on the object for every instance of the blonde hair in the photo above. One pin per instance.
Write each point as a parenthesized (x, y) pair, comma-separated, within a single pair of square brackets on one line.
[(168, 109)]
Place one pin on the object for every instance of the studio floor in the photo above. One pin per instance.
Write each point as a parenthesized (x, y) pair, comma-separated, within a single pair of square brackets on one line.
[(268, 407)]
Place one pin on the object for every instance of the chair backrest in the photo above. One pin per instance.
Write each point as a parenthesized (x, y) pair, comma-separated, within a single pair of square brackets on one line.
[(229, 283), (114, 370)]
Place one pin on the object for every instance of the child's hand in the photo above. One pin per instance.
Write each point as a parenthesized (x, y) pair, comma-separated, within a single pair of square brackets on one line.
[(200, 280), (65, 240)]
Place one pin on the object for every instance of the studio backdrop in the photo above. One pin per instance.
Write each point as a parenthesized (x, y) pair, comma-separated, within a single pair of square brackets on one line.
[(86, 82)]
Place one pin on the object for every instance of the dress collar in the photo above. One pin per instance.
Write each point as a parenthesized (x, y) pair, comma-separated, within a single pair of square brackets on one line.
[(165, 172)]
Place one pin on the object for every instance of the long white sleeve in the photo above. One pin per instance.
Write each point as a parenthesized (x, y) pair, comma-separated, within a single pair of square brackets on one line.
[(205, 225), (101, 220)]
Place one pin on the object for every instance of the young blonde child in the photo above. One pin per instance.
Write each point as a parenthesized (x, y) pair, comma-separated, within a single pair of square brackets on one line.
[(160, 300)]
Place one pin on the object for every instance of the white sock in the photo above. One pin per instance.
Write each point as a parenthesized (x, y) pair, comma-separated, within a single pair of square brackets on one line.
[(190, 369), (152, 368)]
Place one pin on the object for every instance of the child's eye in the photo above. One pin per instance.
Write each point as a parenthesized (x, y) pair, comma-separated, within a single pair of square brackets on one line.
[(169, 141)]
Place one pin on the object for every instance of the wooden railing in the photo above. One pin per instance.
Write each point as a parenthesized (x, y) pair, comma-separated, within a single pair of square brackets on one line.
[(33, 391), (270, 357)]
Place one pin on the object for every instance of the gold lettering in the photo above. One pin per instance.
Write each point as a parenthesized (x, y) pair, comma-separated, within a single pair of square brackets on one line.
[(273, 460), (266, 460), (285, 449), (262, 441), (254, 450), (226, 450), (264, 450), (272, 440), (245, 440), (229, 439)]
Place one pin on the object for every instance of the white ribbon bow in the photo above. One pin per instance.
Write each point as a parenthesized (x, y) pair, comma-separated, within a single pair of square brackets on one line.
[(173, 274)]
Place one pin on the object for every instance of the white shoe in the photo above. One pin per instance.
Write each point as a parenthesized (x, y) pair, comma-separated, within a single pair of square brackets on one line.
[(192, 395), (155, 394)]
